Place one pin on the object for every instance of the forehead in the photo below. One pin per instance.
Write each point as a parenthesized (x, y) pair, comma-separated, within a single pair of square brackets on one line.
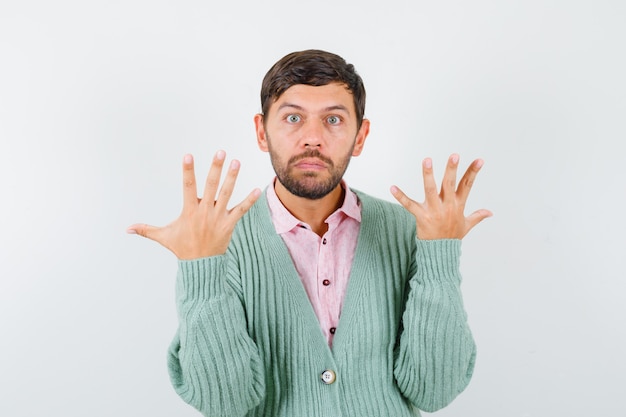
[(316, 98)]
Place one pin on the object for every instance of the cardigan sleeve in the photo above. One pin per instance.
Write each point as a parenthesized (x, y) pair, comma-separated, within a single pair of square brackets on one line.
[(213, 363), (436, 353)]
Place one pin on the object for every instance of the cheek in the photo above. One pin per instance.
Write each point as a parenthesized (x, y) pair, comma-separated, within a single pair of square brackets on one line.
[(277, 147)]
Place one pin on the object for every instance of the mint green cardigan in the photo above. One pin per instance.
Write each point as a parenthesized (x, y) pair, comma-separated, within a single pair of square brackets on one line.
[(249, 343)]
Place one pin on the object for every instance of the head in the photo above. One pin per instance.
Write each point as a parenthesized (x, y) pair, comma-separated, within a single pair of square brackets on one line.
[(312, 121), (315, 68)]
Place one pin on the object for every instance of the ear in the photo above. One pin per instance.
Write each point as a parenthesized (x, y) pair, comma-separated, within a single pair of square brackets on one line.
[(360, 137), (261, 137)]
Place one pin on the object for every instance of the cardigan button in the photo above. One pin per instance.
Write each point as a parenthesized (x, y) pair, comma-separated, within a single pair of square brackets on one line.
[(328, 377)]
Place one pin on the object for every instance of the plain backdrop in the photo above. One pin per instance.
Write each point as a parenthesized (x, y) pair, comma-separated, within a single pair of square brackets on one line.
[(100, 100)]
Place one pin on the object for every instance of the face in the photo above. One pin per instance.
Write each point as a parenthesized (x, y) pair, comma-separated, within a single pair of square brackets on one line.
[(311, 134)]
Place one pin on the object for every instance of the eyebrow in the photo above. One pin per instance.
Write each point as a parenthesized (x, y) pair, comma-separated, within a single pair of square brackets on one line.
[(326, 109)]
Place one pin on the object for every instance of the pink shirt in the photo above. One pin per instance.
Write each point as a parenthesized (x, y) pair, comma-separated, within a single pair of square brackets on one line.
[(323, 263)]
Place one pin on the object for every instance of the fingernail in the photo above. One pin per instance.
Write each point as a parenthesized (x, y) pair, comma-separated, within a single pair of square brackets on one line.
[(131, 231), (428, 163), (479, 163), (220, 155), (234, 164), (455, 159), (188, 159)]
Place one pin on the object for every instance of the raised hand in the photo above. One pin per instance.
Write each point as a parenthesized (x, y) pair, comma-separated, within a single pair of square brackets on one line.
[(205, 226), (441, 215)]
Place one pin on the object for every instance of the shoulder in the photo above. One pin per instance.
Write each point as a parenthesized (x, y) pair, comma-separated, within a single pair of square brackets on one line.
[(252, 231), (387, 227), (385, 212), (369, 202), (254, 223)]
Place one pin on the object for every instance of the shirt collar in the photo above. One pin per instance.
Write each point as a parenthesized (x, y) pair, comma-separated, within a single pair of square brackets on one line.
[(284, 221)]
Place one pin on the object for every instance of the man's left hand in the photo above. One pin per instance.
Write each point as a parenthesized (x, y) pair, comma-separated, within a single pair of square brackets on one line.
[(441, 215)]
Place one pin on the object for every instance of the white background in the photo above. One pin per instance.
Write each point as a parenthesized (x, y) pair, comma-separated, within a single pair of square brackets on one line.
[(100, 100)]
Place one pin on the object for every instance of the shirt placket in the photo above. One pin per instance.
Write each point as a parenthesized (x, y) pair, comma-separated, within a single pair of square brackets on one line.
[(326, 282)]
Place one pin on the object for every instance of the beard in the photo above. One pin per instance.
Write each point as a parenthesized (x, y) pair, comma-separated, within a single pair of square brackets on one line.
[(311, 185)]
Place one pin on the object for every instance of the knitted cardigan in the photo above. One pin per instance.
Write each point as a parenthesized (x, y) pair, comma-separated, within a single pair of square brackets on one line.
[(249, 343)]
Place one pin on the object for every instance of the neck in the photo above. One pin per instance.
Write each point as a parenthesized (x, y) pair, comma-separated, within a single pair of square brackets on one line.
[(312, 212)]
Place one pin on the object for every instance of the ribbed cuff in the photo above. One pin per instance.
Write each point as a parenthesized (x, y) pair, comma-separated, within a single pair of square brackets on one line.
[(439, 259), (202, 278)]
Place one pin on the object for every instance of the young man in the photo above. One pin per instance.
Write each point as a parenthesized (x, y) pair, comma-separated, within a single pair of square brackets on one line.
[(312, 299)]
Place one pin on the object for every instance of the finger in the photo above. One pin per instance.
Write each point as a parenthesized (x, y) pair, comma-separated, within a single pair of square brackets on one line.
[(448, 184), (213, 179), (466, 183), (190, 192), (404, 200), (430, 186), (240, 209), (477, 217), (144, 230), (228, 185)]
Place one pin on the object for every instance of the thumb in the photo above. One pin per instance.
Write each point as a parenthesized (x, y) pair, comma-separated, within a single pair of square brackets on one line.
[(402, 198), (141, 229), (477, 217)]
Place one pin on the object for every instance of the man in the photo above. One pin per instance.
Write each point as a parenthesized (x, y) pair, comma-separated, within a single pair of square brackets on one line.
[(312, 299)]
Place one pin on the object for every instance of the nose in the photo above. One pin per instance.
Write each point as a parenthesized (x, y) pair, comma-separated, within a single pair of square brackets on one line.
[(312, 134)]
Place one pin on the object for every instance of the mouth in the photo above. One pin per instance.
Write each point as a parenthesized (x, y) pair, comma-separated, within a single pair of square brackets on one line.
[(311, 160), (310, 164)]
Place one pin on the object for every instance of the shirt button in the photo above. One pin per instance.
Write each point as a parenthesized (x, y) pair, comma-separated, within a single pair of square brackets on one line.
[(324, 241), (326, 282), (328, 377), (333, 330)]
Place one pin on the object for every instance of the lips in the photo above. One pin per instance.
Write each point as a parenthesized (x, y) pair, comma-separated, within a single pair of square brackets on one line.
[(310, 164), (311, 160)]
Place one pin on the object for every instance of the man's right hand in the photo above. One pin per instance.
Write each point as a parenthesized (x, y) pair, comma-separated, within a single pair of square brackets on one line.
[(205, 225)]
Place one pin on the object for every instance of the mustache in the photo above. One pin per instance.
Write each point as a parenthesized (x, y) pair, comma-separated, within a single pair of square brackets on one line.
[(311, 153)]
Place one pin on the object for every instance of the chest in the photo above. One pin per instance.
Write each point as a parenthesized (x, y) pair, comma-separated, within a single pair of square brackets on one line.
[(278, 308)]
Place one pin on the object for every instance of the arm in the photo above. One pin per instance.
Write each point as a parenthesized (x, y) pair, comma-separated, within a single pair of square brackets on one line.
[(213, 362), (435, 356), (436, 353)]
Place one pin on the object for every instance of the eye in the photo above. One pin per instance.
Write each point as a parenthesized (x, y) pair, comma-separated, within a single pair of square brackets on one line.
[(293, 118), (333, 120)]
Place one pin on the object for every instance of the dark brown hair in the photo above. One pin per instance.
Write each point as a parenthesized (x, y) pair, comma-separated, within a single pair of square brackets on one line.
[(316, 68)]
